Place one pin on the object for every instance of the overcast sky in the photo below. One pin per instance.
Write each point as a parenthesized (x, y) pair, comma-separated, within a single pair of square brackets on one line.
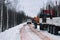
[(30, 7)]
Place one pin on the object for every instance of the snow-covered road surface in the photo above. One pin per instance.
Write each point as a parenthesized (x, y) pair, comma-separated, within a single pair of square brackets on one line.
[(15, 33), (40, 34), (27, 34)]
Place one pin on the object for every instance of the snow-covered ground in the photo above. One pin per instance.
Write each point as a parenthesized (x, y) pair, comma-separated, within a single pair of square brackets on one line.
[(55, 37), (14, 34), (30, 34)]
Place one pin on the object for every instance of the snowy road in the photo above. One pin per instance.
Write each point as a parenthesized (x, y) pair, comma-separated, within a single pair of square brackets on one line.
[(29, 33), (26, 32)]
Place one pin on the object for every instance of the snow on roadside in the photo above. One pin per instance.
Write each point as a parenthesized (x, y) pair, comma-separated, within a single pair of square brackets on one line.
[(55, 37), (12, 33)]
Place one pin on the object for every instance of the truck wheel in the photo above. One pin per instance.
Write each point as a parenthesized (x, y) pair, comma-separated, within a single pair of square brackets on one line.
[(48, 28), (55, 31), (51, 29), (41, 26)]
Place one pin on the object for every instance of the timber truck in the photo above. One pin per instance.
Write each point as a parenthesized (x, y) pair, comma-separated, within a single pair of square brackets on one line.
[(52, 25)]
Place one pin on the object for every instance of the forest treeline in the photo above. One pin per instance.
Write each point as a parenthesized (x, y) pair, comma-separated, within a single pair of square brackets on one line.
[(14, 17), (55, 7)]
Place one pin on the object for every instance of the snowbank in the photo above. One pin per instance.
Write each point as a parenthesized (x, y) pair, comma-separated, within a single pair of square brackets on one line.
[(55, 37), (12, 33)]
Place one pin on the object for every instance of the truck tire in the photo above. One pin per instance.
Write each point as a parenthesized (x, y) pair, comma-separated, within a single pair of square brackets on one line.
[(41, 26), (51, 29), (55, 31), (48, 28)]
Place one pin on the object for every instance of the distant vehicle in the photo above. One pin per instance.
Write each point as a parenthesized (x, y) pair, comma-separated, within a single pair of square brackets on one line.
[(29, 21)]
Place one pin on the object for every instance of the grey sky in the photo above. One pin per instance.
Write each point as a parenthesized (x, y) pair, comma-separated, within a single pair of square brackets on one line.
[(30, 7)]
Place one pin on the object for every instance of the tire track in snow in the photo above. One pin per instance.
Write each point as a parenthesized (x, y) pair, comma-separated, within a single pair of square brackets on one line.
[(24, 35), (40, 34), (31, 33)]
